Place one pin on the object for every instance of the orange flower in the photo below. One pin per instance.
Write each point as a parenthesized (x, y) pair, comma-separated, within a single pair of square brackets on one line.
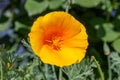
[(58, 39)]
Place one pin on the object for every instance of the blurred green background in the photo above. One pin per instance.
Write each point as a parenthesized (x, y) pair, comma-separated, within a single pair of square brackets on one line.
[(100, 17)]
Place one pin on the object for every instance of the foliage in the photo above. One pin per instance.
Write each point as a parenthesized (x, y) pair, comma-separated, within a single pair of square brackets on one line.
[(101, 19)]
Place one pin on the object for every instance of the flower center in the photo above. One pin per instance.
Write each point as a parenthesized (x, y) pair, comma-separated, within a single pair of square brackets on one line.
[(56, 44), (53, 41)]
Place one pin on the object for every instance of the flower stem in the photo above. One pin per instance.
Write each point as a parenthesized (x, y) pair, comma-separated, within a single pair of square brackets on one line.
[(53, 68), (60, 73), (40, 67), (46, 69), (1, 70), (107, 16), (99, 68), (109, 70), (68, 5)]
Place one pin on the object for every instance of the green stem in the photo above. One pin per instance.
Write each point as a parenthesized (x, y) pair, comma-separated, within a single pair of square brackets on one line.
[(68, 5), (40, 67), (99, 68), (107, 16), (53, 68), (60, 73), (1, 70), (109, 70), (107, 10), (46, 69)]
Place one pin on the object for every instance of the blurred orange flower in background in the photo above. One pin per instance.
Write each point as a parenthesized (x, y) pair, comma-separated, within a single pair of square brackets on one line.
[(58, 39)]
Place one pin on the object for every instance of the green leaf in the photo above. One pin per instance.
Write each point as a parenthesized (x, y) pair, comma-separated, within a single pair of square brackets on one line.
[(33, 7), (54, 4), (115, 63), (4, 25), (110, 34), (80, 71), (19, 26), (88, 3), (116, 45)]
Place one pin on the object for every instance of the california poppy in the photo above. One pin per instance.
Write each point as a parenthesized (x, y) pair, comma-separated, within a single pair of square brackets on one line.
[(58, 39)]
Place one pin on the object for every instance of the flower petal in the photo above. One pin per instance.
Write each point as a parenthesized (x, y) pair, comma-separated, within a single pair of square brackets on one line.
[(79, 41), (50, 56), (71, 55), (64, 57), (36, 36), (63, 22), (37, 24)]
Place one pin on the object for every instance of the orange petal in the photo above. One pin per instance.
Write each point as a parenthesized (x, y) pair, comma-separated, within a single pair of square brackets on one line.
[(37, 25), (79, 41), (71, 55), (64, 57), (63, 22), (36, 36), (50, 56)]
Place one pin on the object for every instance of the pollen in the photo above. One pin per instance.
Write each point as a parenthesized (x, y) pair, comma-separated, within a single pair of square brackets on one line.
[(55, 43)]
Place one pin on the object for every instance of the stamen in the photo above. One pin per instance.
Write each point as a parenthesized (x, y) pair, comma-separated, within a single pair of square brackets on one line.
[(55, 43)]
